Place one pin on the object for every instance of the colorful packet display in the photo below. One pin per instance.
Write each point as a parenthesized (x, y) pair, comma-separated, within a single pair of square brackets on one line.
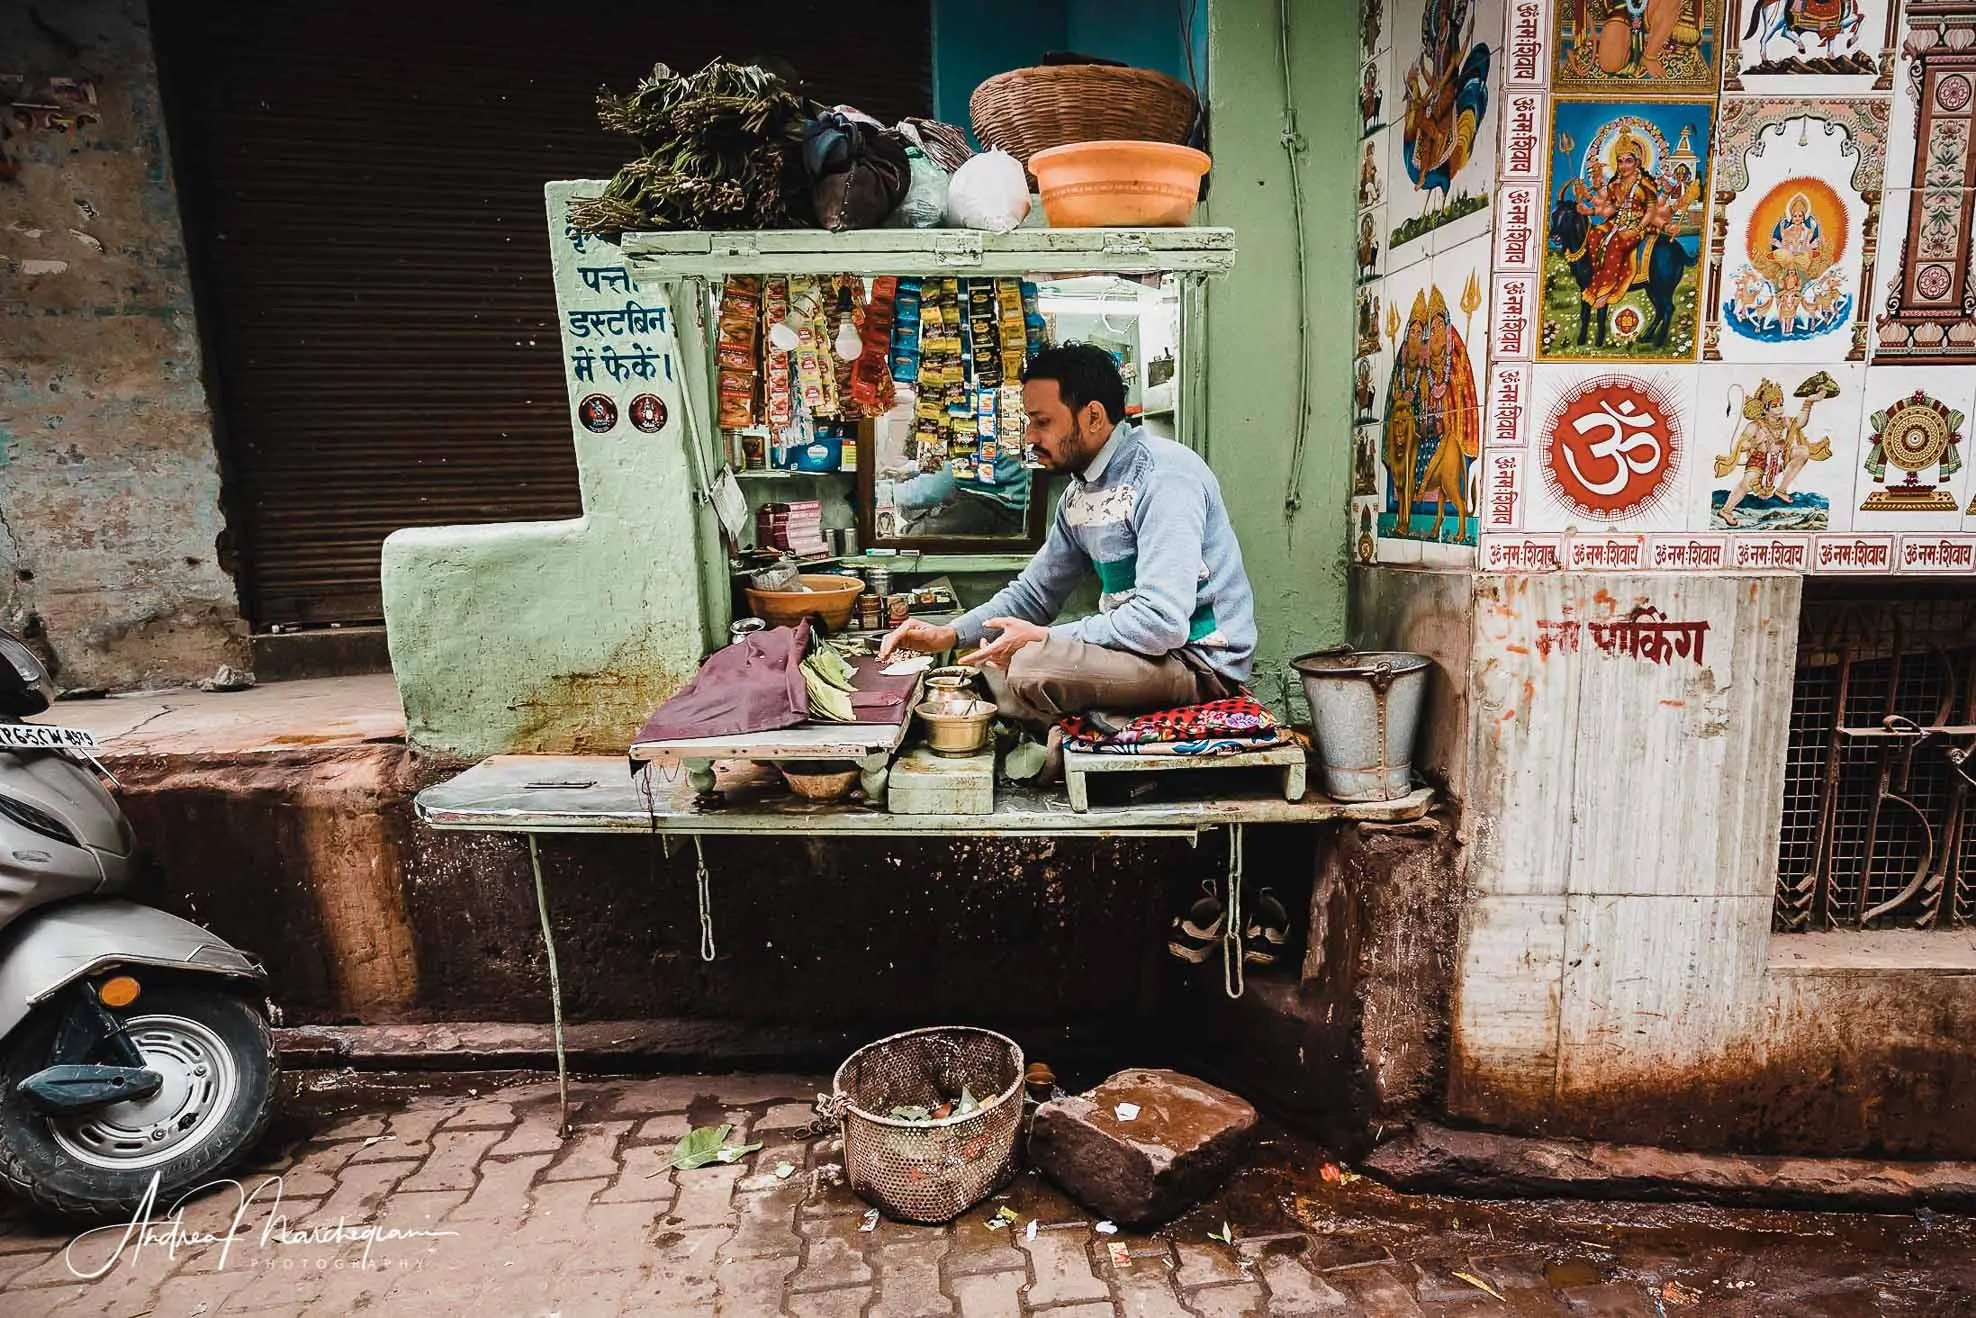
[(872, 389), (736, 353)]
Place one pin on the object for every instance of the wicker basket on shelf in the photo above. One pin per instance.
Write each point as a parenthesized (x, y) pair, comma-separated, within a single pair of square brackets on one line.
[(1025, 111)]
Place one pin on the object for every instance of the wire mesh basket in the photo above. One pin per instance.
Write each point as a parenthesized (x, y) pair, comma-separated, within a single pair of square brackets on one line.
[(929, 1171)]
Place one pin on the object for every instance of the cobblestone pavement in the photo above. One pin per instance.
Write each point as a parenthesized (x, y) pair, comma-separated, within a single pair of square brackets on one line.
[(480, 1209)]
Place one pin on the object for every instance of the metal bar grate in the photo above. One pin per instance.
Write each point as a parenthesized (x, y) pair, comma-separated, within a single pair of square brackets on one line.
[(1875, 811)]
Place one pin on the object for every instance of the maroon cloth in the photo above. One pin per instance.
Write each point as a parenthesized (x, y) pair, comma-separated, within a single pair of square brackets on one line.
[(878, 698), (753, 685)]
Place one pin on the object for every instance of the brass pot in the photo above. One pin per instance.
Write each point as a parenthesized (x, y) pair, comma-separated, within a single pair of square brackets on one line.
[(956, 730)]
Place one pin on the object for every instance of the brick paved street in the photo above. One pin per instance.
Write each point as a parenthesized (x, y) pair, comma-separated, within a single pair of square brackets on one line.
[(529, 1225)]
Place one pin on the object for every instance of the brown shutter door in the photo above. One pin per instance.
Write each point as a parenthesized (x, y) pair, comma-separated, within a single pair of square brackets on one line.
[(362, 185)]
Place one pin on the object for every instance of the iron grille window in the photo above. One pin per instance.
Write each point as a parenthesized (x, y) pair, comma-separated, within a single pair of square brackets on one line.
[(1876, 808)]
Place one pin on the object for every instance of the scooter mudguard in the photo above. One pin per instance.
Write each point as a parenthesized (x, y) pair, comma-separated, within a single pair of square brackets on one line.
[(46, 950)]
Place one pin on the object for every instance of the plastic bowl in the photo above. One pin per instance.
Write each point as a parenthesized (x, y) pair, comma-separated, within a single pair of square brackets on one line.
[(830, 597), (1096, 185)]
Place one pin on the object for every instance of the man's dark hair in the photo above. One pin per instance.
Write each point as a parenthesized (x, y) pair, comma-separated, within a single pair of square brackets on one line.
[(1085, 373)]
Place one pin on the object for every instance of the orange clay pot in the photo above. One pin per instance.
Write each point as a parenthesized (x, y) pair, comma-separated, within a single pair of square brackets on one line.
[(1095, 185)]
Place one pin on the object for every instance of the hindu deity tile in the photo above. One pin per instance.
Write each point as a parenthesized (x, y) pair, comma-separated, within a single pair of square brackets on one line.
[(1442, 153), (1628, 205), (1613, 448), (1809, 47), (1375, 87), (1436, 320), (1369, 245), (1367, 318), (1791, 251), (1364, 514), (1635, 47), (1365, 462), (1370, 374), (1777, 447), (1911, 459), (1372, 170), (1374, 31)]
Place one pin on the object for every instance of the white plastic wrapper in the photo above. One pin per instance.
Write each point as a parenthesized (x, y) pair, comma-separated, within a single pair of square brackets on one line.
[(988, 192)]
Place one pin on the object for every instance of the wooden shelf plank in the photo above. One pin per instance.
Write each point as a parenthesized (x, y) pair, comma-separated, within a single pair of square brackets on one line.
[(661, 256)]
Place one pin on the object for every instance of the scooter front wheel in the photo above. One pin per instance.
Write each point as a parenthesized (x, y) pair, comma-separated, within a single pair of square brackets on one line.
[(217, 1059)]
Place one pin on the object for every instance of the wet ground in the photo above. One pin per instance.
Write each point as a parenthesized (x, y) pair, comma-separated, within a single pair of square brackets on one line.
[(480, 1206)]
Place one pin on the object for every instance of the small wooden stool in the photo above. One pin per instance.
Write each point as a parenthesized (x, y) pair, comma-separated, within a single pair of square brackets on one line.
[(1078, 764)]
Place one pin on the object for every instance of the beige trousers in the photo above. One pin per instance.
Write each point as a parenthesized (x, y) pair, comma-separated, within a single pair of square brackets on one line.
[(1057, 676)]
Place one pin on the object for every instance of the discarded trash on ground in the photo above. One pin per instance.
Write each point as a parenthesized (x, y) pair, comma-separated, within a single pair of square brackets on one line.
[(965, 1105), (1004, 1217), (1225, 1236), (1479, 1284), (783, 1171), (870, 1222), (706, 1145), (1121, 1257), (1127, 1111), (1332, 1174), (1671, 1292), (1107, 1228)]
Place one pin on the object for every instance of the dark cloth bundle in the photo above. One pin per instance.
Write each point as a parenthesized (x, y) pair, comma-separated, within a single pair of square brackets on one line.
[(857, 170), (753, 685)]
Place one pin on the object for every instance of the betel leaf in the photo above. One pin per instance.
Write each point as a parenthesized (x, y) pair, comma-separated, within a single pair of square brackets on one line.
[(968, 1103), (1024, 761), (701, 1146)]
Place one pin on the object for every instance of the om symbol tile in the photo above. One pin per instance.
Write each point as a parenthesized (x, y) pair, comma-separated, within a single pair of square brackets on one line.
[(1612, 448)]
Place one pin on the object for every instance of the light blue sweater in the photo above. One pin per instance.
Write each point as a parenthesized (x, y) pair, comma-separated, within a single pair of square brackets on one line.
[(1147, 516)]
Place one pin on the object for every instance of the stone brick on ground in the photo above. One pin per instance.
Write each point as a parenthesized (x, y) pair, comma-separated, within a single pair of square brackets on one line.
[(833, 1255), (1240, 1300), (990, 1294), (1186, 1139), (1060, 1261)]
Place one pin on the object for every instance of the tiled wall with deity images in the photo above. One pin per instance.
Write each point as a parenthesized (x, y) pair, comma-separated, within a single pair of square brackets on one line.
[(1667, 284)]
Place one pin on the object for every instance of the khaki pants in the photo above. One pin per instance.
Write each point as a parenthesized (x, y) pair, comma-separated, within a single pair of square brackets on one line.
[(1057, 676)]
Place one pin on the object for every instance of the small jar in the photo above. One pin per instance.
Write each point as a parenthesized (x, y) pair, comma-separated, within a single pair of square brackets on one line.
[(878, 580), (871, 613), (898, 608)]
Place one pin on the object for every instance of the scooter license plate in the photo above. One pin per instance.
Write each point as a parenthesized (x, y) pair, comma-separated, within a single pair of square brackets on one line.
[(44, 737)]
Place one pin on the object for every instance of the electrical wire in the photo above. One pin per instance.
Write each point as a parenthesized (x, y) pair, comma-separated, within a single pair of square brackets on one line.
[(1293, 147)]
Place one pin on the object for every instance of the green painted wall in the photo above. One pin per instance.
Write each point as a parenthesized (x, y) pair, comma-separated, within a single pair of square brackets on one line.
[(1297, 564)]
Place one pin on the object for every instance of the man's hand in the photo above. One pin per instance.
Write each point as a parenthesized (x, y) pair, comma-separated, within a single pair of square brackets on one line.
[(917, 637), (1014, 634)]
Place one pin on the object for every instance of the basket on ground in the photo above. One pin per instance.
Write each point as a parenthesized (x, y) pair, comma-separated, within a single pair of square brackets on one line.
[(929, 1172), (1025, 111)]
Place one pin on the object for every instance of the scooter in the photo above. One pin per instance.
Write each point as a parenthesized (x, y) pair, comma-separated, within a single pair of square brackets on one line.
[(134, 1046)]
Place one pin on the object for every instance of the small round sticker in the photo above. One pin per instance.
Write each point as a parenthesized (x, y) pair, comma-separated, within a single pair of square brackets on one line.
[(648, 413), (597, 412)]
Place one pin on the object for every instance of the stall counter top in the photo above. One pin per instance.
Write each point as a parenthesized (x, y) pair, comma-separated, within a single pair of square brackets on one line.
[(598, 794)]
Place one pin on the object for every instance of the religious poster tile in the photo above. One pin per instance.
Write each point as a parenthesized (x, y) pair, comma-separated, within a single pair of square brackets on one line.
[(1629, 184), (1514, 318), (1367, 321), (1375, 79), (1372, 170), (1605, 553), (1365, 462), (1369, 376), (1431, 432), (1526, 120), (1526, 44), (1687, 553), (1635, 47), (1444, 139), (1520, 553), (1365, 541), (1374, 33), (1612, 448), (1792, 246), (1502, 489), (1863, 554), (1912, 472), (1780, 447), (1370, 251), (1519, 221), (1507, 415), (1437, 553), (1924, 294), (1770, 553), (1932, 555), (1809, 47)]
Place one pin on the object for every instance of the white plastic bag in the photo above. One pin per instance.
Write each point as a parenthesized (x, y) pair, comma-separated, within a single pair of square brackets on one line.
[(925, 205), (988, 192)]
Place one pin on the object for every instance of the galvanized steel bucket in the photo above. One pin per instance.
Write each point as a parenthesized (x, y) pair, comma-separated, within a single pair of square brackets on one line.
[(1364, 713)]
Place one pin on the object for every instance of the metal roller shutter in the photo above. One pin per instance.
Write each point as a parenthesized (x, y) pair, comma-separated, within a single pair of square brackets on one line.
[(362, 186)]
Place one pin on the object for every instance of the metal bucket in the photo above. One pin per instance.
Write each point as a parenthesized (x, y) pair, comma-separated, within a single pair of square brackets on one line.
[(1364, 713)]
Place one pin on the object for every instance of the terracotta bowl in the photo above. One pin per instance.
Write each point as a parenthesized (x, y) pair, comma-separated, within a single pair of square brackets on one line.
[(819, 780), (1095, 185), (830, 597)]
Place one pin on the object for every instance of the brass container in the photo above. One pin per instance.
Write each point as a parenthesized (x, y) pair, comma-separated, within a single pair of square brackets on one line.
[(957, 730)]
